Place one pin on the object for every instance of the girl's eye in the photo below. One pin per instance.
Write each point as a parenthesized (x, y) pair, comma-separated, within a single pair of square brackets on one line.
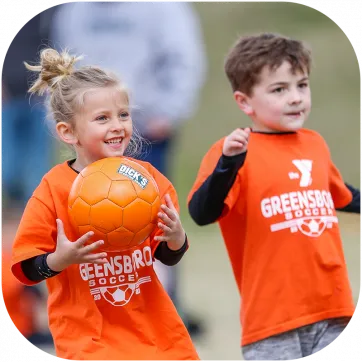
[(101, 118), (124, 114), (303, 85)]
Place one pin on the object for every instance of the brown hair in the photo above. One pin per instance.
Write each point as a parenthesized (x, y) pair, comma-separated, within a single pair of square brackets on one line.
[(66, 87), (250, 54)]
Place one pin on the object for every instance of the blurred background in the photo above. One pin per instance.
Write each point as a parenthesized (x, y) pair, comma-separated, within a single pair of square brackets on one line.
[(205, 288)]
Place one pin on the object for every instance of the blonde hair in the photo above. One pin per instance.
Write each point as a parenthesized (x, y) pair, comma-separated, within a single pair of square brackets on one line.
[(66, 86)]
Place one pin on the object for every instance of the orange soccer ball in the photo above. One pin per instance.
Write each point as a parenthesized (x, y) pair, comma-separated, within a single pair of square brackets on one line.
[(118, 200)]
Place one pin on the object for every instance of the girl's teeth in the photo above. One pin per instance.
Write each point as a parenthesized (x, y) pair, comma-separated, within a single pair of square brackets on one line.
[(117, 141)]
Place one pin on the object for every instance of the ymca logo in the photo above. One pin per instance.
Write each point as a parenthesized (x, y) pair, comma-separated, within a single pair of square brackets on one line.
[(132, 174), (308, 211), (305, 169)]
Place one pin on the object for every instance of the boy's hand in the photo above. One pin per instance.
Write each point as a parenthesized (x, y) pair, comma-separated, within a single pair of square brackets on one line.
[(173, 231), (68, 253), (236, 142)]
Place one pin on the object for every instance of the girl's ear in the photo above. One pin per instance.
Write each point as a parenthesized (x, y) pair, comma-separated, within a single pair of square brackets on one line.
[(66, 133), (243, 102)]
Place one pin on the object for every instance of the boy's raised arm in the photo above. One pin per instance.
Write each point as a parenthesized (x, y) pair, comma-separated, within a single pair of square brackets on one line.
[(207, 203)]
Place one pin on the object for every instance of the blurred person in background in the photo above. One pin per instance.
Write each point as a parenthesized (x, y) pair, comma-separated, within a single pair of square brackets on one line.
[(158, 50), (26, 143), (26, 157)]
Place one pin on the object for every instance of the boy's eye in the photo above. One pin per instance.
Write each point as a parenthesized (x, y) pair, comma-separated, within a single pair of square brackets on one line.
[(303, 85), (278, 90), (101, 118), (124, 114)]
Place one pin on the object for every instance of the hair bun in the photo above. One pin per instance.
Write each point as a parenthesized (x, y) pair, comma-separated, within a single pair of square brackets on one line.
[(53, 67)]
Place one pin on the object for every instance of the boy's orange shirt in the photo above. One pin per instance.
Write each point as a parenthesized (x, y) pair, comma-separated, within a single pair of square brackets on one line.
[(116, 311), (281, 232)]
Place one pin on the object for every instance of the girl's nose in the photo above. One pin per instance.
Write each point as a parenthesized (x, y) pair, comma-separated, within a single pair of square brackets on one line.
[(116, 125)]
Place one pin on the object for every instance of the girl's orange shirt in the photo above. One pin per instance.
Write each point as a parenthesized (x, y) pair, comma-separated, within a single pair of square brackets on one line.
[(19, 303), (115, 311)]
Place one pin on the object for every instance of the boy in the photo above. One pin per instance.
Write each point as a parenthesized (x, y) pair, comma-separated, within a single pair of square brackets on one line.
[(274, 191)]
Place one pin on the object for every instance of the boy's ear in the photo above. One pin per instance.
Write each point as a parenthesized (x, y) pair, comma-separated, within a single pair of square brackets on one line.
[(66, 133), (243, 102)]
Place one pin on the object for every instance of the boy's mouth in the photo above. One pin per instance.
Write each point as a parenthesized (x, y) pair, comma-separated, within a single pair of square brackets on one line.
[(294, 114)]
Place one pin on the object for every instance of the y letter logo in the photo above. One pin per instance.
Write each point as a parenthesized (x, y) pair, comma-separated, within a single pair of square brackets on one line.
[(305, 169)]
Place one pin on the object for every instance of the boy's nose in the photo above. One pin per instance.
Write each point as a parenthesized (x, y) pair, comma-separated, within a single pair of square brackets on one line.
[(295, 97)]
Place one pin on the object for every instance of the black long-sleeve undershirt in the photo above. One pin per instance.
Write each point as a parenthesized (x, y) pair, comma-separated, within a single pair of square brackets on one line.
[(207, 203), (170, 257)]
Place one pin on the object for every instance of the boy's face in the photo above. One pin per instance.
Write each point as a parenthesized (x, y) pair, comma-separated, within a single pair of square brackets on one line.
[(280, 102)]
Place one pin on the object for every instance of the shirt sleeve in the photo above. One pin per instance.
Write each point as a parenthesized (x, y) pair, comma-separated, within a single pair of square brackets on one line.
[(37, 231), (207, 203), (341, 194), (355, 205), (207, 168)]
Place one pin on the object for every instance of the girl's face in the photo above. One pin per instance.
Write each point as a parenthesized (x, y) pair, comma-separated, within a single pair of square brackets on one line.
[(103, 127)]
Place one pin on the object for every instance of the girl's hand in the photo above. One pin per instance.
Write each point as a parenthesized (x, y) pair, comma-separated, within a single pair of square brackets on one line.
[(173, 232), (68, 253)]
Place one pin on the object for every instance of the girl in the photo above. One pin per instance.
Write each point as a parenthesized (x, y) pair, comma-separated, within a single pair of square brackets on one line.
[(102, 306)]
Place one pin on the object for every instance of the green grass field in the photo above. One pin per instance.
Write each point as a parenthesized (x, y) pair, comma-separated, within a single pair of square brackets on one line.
[(208, 286)]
